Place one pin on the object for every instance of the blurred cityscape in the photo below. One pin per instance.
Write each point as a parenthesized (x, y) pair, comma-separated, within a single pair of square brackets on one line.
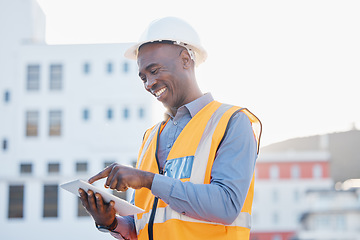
[(67, 111), (308, 188)]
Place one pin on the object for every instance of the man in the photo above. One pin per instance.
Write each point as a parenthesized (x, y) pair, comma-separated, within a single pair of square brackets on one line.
[(194, 175)]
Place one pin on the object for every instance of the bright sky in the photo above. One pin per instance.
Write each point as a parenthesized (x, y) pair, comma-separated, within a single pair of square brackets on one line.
[(295, 64)]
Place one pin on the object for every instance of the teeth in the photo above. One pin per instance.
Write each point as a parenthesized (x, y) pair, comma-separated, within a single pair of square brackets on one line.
[(158, 93)]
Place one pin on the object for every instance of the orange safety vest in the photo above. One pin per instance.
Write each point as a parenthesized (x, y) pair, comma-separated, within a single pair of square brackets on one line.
[(190, 159)]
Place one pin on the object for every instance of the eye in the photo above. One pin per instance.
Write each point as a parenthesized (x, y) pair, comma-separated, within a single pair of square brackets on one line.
[(154, 71)]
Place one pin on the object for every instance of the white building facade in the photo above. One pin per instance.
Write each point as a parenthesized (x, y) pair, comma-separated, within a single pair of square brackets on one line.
[(66, 111), (281, 182), (331, 214)]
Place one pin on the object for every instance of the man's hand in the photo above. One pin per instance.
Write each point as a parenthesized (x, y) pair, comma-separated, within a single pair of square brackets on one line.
[(121, 178), (126, 229), (103, 213)]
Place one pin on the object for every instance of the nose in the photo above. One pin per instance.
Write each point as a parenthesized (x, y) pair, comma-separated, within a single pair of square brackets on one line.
[(150, 82)]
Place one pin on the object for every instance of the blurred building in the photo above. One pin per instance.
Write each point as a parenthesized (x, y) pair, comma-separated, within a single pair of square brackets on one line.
[(66, 111), (344, 148), (290, 173), (282, 180), (331, 214)]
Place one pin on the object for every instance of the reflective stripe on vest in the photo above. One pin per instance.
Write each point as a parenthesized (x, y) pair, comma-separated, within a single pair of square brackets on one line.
[(164, 214), (203, 149), (147, 143)]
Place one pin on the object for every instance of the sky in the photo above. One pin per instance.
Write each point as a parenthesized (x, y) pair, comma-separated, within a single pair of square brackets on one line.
[(294, 64)]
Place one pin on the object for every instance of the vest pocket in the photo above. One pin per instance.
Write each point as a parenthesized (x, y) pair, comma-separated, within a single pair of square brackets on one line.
[(179, 168)]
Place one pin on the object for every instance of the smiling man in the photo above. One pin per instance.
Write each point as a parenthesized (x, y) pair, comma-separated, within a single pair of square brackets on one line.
[(167, 71), (195, 172)]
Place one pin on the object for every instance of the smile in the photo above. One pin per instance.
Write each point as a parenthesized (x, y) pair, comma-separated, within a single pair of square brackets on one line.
[(159, 92)]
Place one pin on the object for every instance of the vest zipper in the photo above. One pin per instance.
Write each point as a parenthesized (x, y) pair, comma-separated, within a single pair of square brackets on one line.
[(156, 199)]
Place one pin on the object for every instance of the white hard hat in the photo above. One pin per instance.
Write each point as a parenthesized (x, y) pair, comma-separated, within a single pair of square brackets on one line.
[(171, 29)]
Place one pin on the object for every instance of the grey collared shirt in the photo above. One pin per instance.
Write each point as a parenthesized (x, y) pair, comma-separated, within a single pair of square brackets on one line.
[(222, 199)]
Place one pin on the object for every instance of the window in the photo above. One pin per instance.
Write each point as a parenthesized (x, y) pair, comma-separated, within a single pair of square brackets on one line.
[(275, 218), (86, 114), (81, 167), (133, 162), (108, 163), (81, 211), (50, 201), (317, 171), (86, 68), (126, 67), (126, 113), (26, 168), (32, 122), (274, 172), (53, 168), (16, 201), (322, 222), (55, 123), (295, 171), (4, 144), (33, 77), (340, 223), (256, 196), (275, 196), (6, 96), (109, 67), (141, 113), (276, 237), (56, 76), (296, 195), (109, 114), (254, 218)]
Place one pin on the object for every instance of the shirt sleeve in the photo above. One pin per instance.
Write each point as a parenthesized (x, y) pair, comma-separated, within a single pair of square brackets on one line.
[(221, 200), (125, 222), (125, 219)]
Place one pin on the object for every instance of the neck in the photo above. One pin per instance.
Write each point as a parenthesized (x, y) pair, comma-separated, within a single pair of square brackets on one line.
[(192, 93), (192, 97)]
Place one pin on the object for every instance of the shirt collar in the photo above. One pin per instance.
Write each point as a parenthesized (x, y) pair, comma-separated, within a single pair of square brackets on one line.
[(195, 106)]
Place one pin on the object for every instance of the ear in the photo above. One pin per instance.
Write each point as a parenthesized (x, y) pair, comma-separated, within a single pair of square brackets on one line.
[(186, 59)]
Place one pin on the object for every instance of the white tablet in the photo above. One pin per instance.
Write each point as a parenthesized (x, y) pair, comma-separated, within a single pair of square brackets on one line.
[(122, 207)]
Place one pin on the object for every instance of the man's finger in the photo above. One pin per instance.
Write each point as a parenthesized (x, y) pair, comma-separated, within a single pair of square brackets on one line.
[(111, 176), (99, 202), (114, 178), (103, 174), (121, 187), (111, 206), (92, 203), (83, 198)]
